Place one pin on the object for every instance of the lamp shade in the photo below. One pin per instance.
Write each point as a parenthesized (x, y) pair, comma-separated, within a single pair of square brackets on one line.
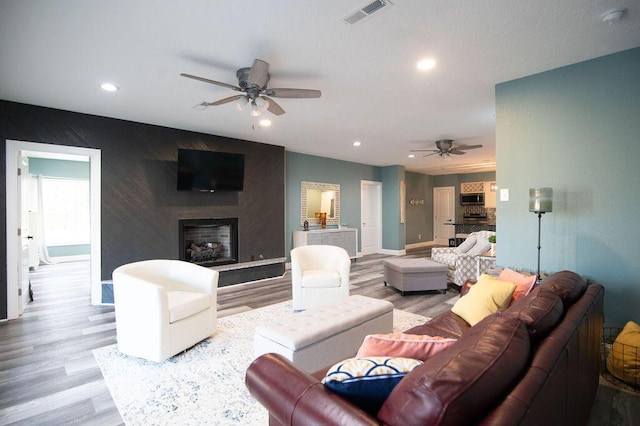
[(540, 200)]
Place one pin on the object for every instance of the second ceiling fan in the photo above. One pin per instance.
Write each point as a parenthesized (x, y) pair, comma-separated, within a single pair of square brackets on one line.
[(446, 148), (252, 81)]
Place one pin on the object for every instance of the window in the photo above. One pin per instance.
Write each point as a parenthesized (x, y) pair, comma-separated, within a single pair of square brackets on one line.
[(65, 209)]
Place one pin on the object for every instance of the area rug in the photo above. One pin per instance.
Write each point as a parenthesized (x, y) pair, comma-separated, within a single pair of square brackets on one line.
[(205, 384)]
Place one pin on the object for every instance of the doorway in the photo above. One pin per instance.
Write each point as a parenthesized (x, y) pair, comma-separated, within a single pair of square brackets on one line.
[(371, 215), (15, 264), (444, 213)]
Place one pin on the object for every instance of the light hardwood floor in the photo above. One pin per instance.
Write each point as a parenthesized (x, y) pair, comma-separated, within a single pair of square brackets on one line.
[(48, 375)]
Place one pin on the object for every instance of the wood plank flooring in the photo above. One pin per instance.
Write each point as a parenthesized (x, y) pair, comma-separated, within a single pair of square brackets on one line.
[(48, 375)]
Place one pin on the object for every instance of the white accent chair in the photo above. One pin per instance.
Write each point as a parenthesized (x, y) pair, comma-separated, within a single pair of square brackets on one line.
[(319, 275), (163, 307), (463, 260)]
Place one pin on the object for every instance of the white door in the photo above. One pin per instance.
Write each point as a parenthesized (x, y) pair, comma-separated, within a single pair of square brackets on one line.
[(23, 231), (13, 195), (444, 212), (371, 213)]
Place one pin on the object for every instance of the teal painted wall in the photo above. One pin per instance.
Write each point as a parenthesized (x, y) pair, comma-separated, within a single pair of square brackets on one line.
[(59, 168), (575, 129), (419, 224), (392, 229), (302, 167)]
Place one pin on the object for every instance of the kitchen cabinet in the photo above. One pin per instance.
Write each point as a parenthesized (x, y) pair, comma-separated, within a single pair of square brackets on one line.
[(490, 195), (471, 187), (345, 238)]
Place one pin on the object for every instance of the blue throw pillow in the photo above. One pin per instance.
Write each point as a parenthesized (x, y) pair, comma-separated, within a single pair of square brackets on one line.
[(367, 382)]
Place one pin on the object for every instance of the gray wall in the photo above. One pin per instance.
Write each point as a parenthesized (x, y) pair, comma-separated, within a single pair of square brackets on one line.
[(140, 204), (575, 129), (419, 225)]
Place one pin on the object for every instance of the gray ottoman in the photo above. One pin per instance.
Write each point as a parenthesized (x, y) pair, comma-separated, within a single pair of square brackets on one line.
[(415, 274)]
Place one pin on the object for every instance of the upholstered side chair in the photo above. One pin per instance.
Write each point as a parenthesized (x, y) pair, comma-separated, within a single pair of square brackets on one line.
[(319, 275), (163, 307)]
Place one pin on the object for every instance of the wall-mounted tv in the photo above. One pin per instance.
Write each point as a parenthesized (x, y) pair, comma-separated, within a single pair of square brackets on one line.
[(209, 171)]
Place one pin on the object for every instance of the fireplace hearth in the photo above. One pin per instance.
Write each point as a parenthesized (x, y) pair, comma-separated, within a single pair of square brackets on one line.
[(209, 242)]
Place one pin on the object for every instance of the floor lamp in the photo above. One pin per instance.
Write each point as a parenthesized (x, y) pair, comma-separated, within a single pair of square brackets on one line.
[(540, 202)]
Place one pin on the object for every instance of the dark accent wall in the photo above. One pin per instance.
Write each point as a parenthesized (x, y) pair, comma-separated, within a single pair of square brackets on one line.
[(140, 203)]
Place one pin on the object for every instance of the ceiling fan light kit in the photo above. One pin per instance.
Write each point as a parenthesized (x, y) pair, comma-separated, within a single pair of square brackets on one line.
[(252, 81)]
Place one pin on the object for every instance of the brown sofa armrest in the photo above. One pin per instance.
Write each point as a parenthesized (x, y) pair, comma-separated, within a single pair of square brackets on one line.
[(294, 397), (466, 286)]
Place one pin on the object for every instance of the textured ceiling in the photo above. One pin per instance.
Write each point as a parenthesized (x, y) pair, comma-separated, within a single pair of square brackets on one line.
[(55, 53)]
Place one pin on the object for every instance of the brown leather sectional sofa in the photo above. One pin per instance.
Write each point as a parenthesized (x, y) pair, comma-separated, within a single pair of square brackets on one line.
[(535, 363)]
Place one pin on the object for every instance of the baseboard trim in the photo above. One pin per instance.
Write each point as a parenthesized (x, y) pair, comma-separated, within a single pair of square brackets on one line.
[(421, 244), (393, 252)]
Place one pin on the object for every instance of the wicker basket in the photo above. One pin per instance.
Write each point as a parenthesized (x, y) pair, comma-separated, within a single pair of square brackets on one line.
[(617, 377)]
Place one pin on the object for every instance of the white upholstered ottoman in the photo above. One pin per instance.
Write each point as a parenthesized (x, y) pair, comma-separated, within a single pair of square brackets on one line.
[(323, 335), (415, 274)]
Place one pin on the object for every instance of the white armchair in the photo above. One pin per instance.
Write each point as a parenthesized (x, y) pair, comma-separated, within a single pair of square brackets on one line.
[(319, 275), (463, 263), (163, 307)]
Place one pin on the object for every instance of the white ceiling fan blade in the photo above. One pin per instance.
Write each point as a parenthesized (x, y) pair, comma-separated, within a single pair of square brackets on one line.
[(294, 93), (217, 83), (273, 107), (259, 74)]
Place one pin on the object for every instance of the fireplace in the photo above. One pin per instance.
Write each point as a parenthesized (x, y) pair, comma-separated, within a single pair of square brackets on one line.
[(209, 242)]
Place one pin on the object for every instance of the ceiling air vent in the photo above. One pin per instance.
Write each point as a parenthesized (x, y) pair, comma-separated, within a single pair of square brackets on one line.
[(366, 11)]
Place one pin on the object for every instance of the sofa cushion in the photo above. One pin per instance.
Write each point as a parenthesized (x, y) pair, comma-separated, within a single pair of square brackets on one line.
[(524, 283), (317, 278), (447, 324), (568, 285), (623, 360), (403, 345), (481, 246), (459, 384), (183, 304), (367, 382), (540, 312), (466, 245), (489, 295)]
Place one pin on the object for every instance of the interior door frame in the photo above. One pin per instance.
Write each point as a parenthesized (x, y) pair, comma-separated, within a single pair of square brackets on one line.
[(378, 212), (14, 147), (452, 208)]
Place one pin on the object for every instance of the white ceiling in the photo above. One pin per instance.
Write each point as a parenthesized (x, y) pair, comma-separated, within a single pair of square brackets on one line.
[(55, 53)]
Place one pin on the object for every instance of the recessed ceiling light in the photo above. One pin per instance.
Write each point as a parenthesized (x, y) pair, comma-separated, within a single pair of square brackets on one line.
[(265, 122), (109, 87), (411, 156), (356, 143), (426, 64)]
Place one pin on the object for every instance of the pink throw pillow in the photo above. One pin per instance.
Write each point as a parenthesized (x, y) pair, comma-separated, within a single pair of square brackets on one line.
[(524, 283), (403, 345)]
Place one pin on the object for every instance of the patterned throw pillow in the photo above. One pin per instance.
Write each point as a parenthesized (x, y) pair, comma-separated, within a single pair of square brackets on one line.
[(367, 382), (414, 346)]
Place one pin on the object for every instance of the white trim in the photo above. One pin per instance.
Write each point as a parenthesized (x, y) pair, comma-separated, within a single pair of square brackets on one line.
[(13, 147), (393, 252)]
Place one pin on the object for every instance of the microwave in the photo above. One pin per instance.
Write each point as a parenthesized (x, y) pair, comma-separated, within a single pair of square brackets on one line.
[(475, 199)]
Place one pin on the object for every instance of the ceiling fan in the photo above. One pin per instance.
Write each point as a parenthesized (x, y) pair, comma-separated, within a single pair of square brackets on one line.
[(446, 148), (252, 81)]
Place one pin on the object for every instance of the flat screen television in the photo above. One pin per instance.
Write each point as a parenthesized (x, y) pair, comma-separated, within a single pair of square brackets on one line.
[(209, 171)]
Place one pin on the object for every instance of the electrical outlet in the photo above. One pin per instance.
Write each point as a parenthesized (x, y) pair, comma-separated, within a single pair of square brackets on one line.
[(419, 236), (504, 194)]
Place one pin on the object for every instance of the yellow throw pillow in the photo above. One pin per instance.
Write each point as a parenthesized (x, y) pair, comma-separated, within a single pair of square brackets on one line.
[(624, 358), (487, 296)]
